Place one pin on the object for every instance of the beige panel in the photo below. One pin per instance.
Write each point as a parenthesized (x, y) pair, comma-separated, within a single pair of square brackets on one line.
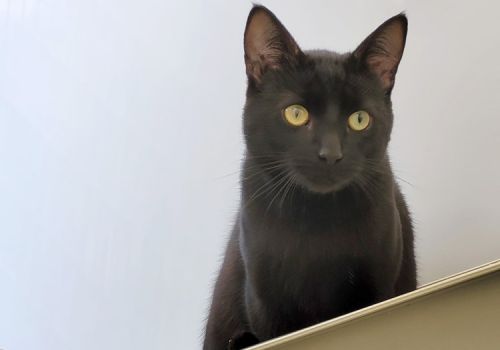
[(459, 312)]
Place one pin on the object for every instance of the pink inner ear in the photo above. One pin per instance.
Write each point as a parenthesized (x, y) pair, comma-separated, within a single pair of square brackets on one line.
[(385, 48), (267, 44), (384, 67), (261, 51)]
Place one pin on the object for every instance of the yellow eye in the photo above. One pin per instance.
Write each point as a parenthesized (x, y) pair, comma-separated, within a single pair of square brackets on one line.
[(296, 115), (359, 120)]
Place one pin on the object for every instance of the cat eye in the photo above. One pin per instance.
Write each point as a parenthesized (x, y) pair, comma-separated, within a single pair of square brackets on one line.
[(296, 115), (359, 120)]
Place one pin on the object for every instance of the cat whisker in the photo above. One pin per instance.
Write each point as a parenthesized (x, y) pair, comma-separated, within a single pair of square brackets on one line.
[(369, 186), (266, 187), (290, 186), (281, 185), (405, 181), (253, 166), (262, 171)]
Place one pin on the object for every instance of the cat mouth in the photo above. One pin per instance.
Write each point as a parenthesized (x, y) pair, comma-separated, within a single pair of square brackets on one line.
[(323, 180)]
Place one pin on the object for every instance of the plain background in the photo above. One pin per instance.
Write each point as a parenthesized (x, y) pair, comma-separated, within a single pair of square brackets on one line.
[(120, 144)]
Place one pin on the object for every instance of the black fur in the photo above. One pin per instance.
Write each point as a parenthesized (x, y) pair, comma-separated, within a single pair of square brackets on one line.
[(316, 237)]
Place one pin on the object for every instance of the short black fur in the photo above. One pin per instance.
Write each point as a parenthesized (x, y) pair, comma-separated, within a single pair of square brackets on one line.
[(323, 228)]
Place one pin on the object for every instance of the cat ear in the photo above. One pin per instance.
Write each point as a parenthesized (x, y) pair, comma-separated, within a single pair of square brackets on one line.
[(382, 50), (268, 45)]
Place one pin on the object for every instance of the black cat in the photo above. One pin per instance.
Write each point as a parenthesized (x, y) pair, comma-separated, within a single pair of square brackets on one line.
[(323, 228)]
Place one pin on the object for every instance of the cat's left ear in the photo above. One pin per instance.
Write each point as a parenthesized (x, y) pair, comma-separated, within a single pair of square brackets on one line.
[(382, 50)]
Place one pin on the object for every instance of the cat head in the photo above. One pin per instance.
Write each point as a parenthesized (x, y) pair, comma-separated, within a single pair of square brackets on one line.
[(321, 118)]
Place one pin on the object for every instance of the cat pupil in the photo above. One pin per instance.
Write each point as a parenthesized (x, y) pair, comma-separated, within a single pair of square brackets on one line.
[(360, 118)]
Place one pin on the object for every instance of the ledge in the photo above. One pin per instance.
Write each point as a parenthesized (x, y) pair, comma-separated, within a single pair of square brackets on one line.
[(458, 312)]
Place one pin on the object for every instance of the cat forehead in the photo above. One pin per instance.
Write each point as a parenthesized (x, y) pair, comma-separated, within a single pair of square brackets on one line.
[(329, 64), (323, 76), (328, 75)]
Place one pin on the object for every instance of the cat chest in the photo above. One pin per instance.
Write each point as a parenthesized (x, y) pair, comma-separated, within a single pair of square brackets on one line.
[(319, 262), (306, 247), (314, 288)]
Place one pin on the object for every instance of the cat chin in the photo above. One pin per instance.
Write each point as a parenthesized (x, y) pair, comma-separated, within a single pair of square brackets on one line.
[(323, 188)]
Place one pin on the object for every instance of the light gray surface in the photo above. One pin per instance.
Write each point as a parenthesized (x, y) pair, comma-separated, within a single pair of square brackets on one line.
[(120, 119), (461, 312)]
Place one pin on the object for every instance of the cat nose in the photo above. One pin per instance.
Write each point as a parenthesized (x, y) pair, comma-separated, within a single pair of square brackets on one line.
[(330, 156)]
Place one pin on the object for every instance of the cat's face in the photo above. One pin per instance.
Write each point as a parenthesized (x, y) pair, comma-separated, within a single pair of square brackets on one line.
[(321, 118)]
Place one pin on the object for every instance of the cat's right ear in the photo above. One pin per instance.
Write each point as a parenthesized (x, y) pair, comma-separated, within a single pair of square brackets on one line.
[(268, 45)]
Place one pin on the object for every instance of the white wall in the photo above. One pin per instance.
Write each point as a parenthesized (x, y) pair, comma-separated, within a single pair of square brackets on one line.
[(119, 121)]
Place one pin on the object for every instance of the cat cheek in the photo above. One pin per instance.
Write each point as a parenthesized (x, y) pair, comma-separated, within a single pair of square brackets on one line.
[(310, 124)]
